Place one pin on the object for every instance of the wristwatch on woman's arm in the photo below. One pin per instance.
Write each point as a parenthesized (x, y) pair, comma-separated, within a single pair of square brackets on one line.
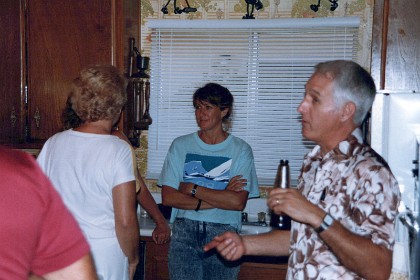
[(194, 190)]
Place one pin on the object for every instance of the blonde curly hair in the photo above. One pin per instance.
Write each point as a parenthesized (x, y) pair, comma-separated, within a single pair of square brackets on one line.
[(98, 93)]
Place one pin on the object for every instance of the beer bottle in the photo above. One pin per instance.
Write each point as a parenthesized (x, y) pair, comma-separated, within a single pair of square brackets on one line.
[(281, 222)]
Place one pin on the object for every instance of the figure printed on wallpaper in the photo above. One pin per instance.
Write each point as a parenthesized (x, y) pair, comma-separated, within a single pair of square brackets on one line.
[(178, 10), (345, 204), (250, 6), (206, 178)]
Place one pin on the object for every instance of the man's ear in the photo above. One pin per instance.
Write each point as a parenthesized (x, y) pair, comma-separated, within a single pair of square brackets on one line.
[(348, 111)]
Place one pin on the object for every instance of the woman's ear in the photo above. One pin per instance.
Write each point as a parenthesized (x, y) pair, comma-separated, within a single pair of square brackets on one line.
[(224, 112), (348, 111)]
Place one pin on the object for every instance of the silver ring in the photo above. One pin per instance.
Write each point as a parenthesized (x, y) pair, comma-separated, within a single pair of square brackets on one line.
[(277, 201)]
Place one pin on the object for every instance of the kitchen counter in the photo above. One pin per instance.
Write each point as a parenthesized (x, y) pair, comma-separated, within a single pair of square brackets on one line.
[(147, 225), (253, 207)]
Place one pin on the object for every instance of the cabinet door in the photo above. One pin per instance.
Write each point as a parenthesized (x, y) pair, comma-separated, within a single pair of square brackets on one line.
[(12, 121), (156, 260), (257, 271), (62, 37)]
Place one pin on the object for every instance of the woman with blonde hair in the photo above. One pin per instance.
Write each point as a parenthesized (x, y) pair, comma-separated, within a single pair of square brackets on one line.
[(93, 172)]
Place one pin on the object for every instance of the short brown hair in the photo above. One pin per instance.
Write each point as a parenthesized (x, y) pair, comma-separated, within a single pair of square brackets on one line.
[(216, 95), (98, 93)]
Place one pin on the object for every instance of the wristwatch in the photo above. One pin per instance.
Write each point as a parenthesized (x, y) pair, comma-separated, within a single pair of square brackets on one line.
[(194, 190), (326, 223)]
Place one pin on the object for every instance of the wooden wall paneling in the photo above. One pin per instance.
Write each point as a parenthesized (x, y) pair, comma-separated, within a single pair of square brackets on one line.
[(379, 34), (403, 41), (395, 45)]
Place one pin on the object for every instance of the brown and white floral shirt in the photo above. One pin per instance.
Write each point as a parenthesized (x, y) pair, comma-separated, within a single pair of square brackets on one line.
[(355, 186)]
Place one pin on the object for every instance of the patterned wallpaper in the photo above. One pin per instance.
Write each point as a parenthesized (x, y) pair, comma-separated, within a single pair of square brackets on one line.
[(236, 9)]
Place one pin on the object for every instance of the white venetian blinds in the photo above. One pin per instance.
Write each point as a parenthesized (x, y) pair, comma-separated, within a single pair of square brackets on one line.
[(264, 63)]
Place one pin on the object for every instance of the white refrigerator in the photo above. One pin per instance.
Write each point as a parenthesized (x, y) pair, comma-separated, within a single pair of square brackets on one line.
[(395, 135)]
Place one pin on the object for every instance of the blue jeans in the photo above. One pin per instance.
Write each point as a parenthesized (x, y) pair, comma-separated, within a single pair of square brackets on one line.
[(187, 259)]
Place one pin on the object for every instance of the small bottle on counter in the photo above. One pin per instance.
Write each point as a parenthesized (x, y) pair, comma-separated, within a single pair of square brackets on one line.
[(281, 222)]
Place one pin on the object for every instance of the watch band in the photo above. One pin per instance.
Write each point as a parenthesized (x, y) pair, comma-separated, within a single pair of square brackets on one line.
[(194, 190), (326, 223), (198, 205)]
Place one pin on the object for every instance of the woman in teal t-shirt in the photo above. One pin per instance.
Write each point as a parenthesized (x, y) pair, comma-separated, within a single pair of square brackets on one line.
[(207, 178)]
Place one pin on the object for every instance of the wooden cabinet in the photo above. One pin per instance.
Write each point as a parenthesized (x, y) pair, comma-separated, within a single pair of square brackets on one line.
[(155, 259), (267, 268), (252, 268), (395, 45), (47, 43), (11, 79)]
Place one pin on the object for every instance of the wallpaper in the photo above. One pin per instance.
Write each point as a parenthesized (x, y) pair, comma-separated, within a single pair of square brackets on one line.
[(272, 9)]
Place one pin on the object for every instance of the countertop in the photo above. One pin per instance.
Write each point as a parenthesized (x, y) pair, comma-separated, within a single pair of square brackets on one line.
[(147, 225), (254, 206)]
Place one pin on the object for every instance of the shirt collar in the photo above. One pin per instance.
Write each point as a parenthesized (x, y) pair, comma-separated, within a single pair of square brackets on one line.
[(343, 150)]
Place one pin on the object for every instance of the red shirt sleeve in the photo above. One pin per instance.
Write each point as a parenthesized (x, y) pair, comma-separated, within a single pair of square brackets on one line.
[(37, 232)]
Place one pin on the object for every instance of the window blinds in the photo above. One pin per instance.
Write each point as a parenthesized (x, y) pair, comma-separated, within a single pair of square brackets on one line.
[(265, 64)]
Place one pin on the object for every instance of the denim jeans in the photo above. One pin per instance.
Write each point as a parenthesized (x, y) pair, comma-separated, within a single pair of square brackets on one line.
[(187, 259)]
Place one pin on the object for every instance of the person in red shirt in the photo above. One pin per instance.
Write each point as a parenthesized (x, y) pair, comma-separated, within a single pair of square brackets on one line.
[(38, 235)]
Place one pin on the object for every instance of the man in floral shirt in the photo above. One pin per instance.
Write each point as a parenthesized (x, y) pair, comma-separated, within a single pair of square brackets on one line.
[(346, 201)]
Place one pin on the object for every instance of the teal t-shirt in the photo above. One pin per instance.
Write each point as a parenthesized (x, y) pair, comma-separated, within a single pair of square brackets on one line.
[(189, 159)]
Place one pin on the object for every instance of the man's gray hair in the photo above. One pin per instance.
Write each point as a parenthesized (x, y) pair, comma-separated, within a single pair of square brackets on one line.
[(351, 83)]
